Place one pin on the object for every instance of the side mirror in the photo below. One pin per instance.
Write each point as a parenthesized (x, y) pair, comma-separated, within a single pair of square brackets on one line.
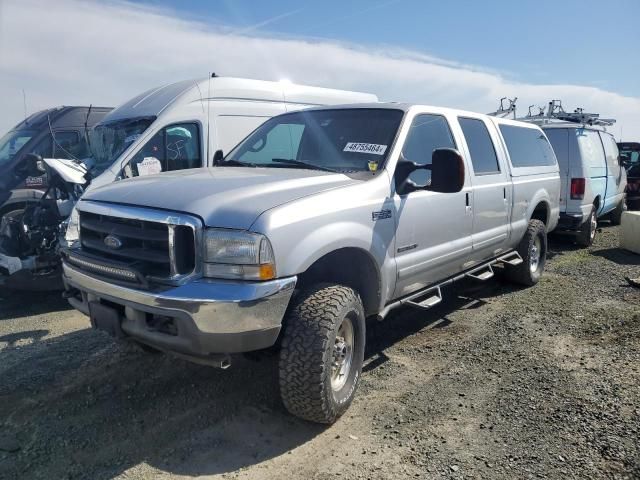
[(447, 171), (217, 157), (624, 160)]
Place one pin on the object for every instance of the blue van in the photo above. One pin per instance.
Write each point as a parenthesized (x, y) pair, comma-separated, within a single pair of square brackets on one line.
[(593, 178)]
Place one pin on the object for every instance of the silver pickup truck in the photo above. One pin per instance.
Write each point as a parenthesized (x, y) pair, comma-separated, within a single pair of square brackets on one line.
[(316, 221)]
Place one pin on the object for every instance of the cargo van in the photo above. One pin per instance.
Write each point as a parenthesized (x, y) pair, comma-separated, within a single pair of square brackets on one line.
[(593, 178), (181, 125), (630, 154)]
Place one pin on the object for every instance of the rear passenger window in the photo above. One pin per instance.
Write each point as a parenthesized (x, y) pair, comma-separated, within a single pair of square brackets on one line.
[(528, 147), (483, 153), (427, 133)]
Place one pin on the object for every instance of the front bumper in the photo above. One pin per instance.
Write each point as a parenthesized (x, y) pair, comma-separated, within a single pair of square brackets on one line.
[(205, 316)]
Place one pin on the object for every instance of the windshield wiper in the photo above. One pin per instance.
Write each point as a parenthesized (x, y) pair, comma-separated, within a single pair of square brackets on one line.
[(237, 163), (302, 164)]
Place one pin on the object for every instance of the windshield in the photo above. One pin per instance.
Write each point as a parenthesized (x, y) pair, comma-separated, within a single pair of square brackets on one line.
[(12, 142), (110, 140), (341, 140)]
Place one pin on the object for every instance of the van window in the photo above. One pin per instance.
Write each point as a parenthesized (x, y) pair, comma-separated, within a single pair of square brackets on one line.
[(527, 147), (610, 150), (428, 132), (176, 147), (559, 138), (481, 148), (590, 148), (282, 141)]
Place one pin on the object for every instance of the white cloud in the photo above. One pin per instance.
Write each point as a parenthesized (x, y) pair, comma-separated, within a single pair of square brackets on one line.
[(70, 52)]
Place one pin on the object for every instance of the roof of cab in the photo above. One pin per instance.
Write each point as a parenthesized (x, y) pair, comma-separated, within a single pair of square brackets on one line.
[(153, 102), (63, 116)]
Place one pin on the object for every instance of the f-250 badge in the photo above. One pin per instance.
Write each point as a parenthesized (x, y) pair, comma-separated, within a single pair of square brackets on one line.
[(381, 215)]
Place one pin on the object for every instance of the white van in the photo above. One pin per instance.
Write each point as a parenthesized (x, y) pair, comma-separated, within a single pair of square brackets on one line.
[(181, 125), (593, 178)]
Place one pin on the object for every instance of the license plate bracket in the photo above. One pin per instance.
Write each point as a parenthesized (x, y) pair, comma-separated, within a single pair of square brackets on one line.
[(106, 318)]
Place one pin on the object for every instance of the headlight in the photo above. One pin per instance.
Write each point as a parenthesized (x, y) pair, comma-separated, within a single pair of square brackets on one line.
[(238, 255), (72, 233)]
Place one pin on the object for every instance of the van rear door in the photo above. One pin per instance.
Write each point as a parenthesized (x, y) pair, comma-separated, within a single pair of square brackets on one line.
[(559, 138)]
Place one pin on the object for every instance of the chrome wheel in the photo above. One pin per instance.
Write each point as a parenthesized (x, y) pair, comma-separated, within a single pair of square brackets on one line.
[(534, 254), (342, 354)]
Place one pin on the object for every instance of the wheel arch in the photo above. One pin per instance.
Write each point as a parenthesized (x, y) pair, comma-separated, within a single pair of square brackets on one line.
[(350, 266)]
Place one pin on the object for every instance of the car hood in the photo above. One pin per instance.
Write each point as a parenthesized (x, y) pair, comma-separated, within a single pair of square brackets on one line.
[(227, 197)]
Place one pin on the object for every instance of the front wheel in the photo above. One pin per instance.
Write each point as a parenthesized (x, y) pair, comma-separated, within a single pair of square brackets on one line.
[(616, 215), (322, 352), (533, 251)]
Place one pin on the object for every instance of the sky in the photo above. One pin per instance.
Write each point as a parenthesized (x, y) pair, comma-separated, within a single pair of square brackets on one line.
[(456, 53)]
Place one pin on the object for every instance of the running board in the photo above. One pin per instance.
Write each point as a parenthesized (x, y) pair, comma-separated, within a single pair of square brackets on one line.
[(511, 258), (483, 273), (424, 300)]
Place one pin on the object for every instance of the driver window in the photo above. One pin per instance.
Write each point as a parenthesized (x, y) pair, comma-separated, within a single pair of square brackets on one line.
[(176, 147), (427, 133)]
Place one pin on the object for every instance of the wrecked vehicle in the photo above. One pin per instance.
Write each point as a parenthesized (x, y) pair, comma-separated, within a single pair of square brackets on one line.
[(36, 201), (316, 221)]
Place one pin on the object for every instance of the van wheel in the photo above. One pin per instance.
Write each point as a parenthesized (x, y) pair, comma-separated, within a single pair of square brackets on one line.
[(616, 215), (533, 250), (587, 232), (322, 352)]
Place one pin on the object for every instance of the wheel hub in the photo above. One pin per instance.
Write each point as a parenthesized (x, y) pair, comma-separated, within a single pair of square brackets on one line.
[(534, 255), (342, 355)]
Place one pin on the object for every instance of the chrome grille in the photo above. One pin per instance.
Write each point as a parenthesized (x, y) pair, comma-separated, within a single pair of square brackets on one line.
[(158, 245)]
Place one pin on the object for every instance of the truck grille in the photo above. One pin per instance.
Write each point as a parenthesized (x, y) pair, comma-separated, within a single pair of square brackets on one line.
[(156, 250)]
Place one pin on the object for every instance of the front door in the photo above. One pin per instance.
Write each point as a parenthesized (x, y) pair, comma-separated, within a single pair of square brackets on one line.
[(433, 234)]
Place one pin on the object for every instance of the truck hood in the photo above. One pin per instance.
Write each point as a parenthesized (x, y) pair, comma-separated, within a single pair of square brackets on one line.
[(227, 197)]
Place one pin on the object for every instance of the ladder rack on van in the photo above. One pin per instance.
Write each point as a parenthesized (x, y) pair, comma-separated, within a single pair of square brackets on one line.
[(503, 112), (555, 111)]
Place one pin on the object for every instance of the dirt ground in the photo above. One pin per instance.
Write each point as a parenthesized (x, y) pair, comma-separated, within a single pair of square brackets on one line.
[(496, 382)]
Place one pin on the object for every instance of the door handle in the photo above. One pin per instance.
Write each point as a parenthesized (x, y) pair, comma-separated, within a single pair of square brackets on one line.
[(467, 203), (504, 193)]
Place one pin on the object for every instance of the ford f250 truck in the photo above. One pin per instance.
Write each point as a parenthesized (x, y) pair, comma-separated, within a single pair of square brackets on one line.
[(316, 221)]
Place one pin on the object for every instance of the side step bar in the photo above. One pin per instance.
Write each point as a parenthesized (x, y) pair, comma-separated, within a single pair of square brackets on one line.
[(431, 296), (424, 299)]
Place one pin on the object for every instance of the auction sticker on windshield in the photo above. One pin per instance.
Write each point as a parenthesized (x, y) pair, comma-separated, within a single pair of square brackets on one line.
[(372, 148)]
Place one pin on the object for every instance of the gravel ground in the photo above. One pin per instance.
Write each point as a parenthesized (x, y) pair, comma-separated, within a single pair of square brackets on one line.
[(496, 382)]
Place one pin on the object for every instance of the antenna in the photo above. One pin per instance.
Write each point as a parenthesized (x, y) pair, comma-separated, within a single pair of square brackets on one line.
[(24, 102), (504, 112), (208, 110)]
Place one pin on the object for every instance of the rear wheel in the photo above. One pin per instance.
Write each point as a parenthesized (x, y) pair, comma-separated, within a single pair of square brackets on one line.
[(322, 352), (587, 232), (533, 251)]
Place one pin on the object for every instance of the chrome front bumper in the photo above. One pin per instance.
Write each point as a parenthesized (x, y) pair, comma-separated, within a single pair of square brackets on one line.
[(212, 316)]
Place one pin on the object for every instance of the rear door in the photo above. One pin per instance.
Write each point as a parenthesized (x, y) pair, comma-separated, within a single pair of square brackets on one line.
[(491, 187), (559, 138), (594, 165)]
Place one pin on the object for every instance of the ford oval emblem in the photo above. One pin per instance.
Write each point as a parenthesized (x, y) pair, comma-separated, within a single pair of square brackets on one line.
[(112, 242)]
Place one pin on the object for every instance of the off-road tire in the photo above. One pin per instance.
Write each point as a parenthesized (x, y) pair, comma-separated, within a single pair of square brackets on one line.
[(523, 274), (307, 352), (586, 235), (616, 216)]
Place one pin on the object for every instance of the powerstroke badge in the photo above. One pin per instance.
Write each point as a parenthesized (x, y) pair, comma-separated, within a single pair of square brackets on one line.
[(372, 148)]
